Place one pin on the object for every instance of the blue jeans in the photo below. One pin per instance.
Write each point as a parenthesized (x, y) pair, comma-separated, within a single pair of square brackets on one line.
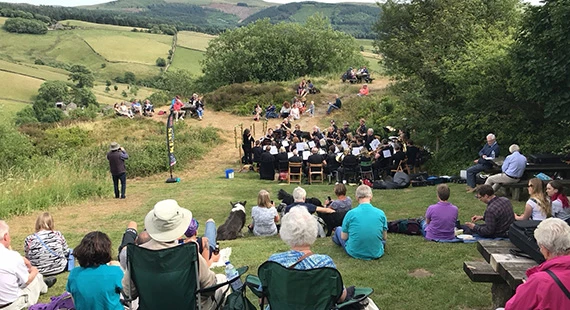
[(423, 226), (210, 233), (331, 108), (123, 178), (200, 112), (472, 172)]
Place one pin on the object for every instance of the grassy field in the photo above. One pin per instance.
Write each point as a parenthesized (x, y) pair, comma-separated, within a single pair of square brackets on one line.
[(8, 110), (445, 287), (188, 59), (19, 87), (116, 95), (130, 47), (37, 71), (88, 25), (194, 40), (2, 20)]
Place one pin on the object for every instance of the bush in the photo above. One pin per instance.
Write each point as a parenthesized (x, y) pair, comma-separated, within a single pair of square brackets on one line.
[(16, 150), (89, 113), (161, 62), (22, 25), (62, 139), (26, 116), (242, 98), (39, 62), (51, 115), (116, 87)]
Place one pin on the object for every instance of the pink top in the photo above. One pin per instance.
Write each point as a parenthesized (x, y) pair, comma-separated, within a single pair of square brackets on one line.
[(364, 91), (540, 291)]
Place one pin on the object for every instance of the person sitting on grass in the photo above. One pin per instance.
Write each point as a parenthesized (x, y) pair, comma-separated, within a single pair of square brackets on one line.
[(364, 228), (264, 216), (498, 216), (341, 205), (270, 111), (537, 206), (123, 110), (285, 110), (334, 106), (257, 112), (136, 107), (207, 246), (46, 248), (441, 218), (96, 283), (20, 283), (177, 109), (148, 108), (363, 90), (560, 205), (544, 287)]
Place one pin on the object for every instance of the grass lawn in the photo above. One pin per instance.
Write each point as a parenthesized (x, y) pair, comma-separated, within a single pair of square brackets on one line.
[(88, 25), (8, 110), (41, 72), (194, 40), (19, 87), (2, 20), (129, 47), (446, 287), (188, 59), (116, 95)]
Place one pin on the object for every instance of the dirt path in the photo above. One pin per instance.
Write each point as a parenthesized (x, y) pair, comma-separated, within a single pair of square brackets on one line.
[(224, 155)]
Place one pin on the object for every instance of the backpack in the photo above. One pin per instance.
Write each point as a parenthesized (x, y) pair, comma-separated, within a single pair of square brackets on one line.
[(63, 301), (405, 226), (238, 301)]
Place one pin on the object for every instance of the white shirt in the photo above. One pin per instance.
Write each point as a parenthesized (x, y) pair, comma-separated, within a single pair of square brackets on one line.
[(536, 213), (13, 275)]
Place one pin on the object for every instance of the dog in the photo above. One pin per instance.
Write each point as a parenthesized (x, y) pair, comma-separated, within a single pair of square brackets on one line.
[(231, 229), (246, 168), (287, 199)]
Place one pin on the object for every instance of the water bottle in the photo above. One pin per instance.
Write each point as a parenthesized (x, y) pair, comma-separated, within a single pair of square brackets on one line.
[(231, 273), (70, 261)]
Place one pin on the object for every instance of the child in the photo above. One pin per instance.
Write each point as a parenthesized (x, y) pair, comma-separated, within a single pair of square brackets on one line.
[(312, 109)]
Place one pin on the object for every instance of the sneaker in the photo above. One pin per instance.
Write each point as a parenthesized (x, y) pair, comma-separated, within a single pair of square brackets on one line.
[(50, 281), (182, 118)]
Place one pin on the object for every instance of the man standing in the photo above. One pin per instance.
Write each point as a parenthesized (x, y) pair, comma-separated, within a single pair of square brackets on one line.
[(116, 157), (20, 283), (498, 216), (485, 161), (513, 169), (363, 231)]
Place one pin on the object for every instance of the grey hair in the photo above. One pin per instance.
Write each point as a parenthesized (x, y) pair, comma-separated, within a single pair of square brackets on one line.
[(299, 194), (4, 228), (363, 191), (554, 235), (298, 227), (514, 148), (491, 136), (314, 150)]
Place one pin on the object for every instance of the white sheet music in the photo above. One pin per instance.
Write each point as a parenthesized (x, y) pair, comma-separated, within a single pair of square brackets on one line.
[(336, 150), (356, 151), (374, 144), (300, 146), (386, 153), (284, 143), (290, 154), (344, 145), (311, 144), (273, 150), (306, 155)]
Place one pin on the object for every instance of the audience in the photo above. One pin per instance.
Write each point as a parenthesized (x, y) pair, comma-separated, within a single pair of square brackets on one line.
[(285, 110), (541, 290), (96, 283), (498, 215), (20, 283), (537, 206), (441, 217), (207, 246), (487, 154), (512, 169), (560, 205), (46, 249), (334, 106), (341, 206), (363, 90), (165, 224), (363, 231), (264, 216)]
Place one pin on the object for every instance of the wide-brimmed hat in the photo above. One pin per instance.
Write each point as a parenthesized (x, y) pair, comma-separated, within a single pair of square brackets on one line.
[(167, 221), (114, 146)]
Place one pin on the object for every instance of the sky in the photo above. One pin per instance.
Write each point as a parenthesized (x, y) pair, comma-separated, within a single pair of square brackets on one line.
[(91, 2)]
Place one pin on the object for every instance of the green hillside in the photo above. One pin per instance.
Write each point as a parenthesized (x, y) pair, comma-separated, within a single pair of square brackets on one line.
[(187, 59)]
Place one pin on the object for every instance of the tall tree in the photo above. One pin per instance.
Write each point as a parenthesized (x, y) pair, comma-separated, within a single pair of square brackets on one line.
[(82, 76)]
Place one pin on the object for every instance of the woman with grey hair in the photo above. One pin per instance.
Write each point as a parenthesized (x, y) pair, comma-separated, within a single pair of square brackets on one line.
[(299, 231), (548, 283)]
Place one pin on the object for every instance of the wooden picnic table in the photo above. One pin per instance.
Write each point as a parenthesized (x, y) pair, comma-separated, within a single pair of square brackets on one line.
[(505, 270)]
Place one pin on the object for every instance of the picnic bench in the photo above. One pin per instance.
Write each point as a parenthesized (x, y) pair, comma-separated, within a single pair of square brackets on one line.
[(501, 268)]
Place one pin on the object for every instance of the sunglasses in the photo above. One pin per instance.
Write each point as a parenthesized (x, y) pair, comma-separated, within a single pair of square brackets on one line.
[(530, 185)]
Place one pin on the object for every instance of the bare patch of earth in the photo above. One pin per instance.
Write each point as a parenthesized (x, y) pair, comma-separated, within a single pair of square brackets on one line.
[(242, 12), (420, 273)]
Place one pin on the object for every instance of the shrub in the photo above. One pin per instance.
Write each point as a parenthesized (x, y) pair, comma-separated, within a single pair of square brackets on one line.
[(39, 62), (22, 25), (242, 98), (116, 87), (26, 116), (161, 62), (16, 150), (51, 115)]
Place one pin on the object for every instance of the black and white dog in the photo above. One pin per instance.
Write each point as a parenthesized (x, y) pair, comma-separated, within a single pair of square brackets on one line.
[(231, 229)]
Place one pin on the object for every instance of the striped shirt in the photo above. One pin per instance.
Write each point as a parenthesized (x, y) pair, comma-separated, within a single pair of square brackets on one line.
[(42, 258)]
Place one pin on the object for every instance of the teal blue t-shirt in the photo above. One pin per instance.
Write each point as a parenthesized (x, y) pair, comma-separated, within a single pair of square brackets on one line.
[(96, 288), (365, 225)]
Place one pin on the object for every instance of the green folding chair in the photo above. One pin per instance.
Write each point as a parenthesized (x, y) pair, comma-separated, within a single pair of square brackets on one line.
[(312, 289), (168, 278)]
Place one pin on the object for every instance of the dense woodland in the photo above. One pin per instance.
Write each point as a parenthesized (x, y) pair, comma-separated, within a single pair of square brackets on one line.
[(356, 20)]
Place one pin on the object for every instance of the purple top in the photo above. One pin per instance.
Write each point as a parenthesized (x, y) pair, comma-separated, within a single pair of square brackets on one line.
[(442, 217)]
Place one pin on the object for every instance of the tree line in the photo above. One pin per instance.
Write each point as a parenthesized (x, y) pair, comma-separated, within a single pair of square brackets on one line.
[(467, 68)]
